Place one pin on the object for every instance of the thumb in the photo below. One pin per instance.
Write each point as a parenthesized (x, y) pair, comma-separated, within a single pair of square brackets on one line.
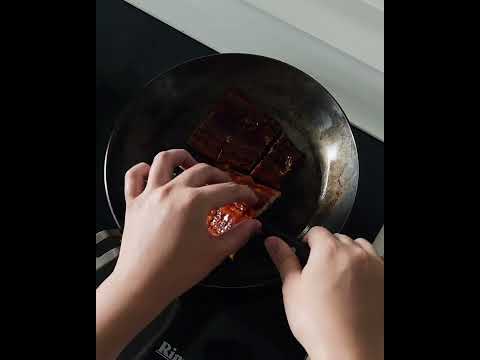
[(239, 235), (284, 258)]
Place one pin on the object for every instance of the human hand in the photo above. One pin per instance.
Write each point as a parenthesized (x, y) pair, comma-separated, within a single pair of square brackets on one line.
[(335, 305), (166, 247)]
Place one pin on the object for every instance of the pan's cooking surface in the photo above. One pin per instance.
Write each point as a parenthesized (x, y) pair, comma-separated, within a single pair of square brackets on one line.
[(165, 114)]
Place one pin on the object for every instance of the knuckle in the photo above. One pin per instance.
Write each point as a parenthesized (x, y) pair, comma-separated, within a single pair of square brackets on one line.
[(202, 167), (183, 152), (319, 231), (359, 256), (343, 236), (162, 156), (130, 172), (162, 193), (134, 170), (362, 240), (329, 245), (365, 243)]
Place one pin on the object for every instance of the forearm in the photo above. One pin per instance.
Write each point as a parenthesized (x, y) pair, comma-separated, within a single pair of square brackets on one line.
[(345, 351), (120, 314)]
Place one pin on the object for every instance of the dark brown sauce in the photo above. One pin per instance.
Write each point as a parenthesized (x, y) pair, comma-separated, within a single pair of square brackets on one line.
[(281, 160), (235, 134)]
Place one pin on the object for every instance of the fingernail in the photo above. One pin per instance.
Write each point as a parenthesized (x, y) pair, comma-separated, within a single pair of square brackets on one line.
[(272, 245)]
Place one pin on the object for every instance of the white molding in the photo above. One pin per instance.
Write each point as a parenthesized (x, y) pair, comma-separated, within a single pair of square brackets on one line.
[(378, 4), (379, 242), (355, 27)]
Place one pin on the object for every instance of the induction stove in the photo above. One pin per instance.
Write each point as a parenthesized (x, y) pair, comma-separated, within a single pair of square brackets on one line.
[(205, 323)]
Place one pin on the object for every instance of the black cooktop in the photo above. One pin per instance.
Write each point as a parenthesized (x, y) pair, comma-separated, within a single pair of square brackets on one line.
[(131, 49)]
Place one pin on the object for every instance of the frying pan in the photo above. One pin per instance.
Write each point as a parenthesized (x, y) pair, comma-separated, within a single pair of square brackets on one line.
[(168, 109)]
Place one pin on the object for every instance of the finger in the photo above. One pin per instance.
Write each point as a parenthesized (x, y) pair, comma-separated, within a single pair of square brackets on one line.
[(135, 180), (344, 239), (202, 174), (319, 236), (164, 163), (218, 195), (284, 259), (365, 245), (234, 239)]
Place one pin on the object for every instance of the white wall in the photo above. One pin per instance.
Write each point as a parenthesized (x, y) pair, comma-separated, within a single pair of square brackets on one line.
[(353, 26)]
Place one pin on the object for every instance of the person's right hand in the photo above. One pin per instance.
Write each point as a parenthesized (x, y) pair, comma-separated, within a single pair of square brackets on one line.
[(166, 247), (335, 305)]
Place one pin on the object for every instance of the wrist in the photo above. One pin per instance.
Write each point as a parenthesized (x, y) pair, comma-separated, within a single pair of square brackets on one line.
[(122, 312), (134, 294)]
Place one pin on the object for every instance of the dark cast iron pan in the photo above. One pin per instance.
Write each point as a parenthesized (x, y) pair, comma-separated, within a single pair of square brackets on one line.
[(168, 109)]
